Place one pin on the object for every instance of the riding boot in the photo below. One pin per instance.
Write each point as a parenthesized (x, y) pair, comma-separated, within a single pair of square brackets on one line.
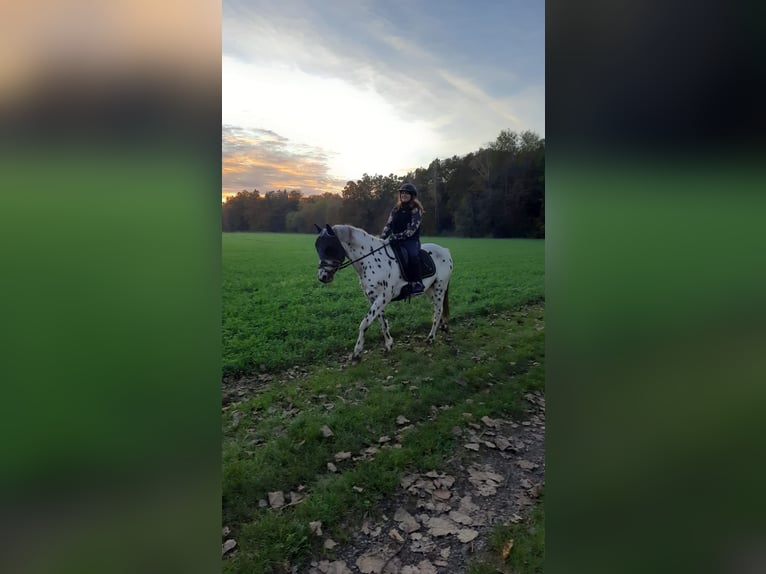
[(416, 277)]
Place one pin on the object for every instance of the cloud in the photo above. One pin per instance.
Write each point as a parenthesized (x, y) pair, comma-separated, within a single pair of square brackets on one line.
[(266, 161), (383, 87)]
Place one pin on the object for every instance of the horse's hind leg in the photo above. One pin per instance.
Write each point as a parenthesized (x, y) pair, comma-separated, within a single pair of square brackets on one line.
[(387, 338), (437, 292), (444, 326)]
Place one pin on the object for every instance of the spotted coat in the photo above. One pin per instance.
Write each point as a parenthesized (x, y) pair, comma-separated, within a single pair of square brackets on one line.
[(380, 277)]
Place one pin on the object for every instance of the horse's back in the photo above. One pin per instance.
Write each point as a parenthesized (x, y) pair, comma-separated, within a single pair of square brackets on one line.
[(441, 256), (436, 250)]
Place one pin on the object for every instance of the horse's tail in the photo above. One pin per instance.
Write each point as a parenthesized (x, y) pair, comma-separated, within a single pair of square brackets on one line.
[(445, 310)]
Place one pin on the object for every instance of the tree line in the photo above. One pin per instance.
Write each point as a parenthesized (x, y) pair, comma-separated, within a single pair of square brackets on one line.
[(497, 191)]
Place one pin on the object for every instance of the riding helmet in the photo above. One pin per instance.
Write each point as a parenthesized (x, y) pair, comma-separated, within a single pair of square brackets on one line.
[(409, 188)]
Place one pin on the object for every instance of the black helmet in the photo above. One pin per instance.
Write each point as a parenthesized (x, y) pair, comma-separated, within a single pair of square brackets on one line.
[(409, 188)]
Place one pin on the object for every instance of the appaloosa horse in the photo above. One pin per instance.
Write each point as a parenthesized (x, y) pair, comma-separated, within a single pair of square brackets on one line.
[(380, 276)]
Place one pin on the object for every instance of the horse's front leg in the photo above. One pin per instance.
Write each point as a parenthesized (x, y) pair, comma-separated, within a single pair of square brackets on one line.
[(375, 310), (388, 340)]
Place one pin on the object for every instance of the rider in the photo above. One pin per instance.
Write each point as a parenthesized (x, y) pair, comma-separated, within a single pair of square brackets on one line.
[(403, 226)]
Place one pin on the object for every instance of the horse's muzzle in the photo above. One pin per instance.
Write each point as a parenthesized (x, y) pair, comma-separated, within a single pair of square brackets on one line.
[(326, 272), (325, 276)]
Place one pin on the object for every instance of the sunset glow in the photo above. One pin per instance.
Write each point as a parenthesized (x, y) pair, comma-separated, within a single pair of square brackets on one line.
[(312, 102)]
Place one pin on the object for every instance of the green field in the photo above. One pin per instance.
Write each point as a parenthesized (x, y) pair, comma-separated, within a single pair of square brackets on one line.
[(277, 316)]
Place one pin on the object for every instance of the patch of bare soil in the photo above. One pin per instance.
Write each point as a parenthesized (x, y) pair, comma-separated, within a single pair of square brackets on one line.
[(441, 521), (235, 389)]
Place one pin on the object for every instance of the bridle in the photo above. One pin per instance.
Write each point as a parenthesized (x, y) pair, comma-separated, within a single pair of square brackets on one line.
[(329, 266), (333, 266)]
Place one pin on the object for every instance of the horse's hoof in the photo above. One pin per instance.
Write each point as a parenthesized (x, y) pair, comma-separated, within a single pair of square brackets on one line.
[(430, 340), (355, 358)]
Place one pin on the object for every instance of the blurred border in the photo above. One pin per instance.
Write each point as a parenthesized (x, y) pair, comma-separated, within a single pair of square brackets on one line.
[(110, 223), (655, 288)]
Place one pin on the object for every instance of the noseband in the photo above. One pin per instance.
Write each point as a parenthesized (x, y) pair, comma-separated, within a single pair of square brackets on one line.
[(330, 266)]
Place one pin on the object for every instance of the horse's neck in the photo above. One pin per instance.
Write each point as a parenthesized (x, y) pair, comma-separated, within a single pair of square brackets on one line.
[(355, 237)]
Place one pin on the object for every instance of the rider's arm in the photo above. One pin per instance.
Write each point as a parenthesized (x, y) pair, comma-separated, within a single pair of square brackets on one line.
[(414, 223), (387, 227)]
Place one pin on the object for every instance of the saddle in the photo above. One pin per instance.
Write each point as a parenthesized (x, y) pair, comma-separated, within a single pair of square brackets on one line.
[(427, 266)]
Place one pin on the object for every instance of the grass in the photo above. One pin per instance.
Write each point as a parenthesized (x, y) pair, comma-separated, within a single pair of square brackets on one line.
[(516, 548), (276, 314), (272, 439)]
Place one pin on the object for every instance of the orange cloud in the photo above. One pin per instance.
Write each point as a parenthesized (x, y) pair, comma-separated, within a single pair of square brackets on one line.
[(263, 160)]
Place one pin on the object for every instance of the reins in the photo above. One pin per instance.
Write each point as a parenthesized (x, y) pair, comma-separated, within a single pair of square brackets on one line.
[(349, 262)]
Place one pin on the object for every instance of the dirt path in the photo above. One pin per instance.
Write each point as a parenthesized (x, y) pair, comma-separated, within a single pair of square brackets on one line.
[(441, 521), (434, 521), (237, 388)]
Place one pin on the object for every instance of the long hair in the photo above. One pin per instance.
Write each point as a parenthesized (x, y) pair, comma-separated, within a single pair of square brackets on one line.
[(412, 201)]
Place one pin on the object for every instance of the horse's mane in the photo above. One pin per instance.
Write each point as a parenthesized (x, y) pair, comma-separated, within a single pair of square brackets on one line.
[(348, 233)]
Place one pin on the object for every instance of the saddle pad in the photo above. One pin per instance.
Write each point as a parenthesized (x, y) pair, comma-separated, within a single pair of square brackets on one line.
[(427, 266)]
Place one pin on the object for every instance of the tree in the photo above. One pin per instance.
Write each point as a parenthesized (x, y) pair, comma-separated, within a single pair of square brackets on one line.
[(496, 191), (507, 142), (234, 211), (318, 209)]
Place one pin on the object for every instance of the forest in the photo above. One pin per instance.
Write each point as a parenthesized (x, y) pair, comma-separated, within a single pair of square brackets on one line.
[(497, 191)]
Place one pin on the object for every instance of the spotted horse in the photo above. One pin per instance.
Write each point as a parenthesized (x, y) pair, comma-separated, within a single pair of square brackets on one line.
[(380, 275)]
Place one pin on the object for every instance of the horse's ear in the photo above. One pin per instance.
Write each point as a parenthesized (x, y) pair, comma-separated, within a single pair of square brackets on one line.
[(319, 229), (329, 229)]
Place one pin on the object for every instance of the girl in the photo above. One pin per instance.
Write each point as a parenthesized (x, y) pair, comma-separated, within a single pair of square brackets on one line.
[(403, 226)]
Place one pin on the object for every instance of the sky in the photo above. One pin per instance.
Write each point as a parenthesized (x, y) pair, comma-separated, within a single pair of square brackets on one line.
[(319, 92)]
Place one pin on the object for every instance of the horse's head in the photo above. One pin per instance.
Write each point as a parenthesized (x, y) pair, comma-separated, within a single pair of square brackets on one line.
[(331, 253)]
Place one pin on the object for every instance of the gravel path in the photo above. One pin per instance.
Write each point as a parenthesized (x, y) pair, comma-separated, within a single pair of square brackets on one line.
[(441, 521)]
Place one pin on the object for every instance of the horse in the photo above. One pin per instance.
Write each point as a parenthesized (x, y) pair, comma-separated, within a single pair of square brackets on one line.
[(380, 276)]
